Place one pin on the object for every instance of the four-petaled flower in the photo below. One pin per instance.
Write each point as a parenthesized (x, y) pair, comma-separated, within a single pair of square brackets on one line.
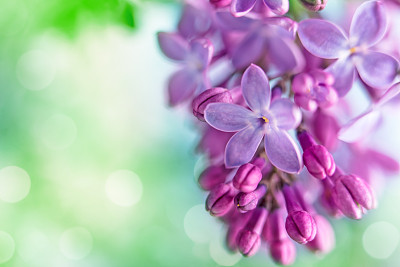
[(368, 26), (264, 119)]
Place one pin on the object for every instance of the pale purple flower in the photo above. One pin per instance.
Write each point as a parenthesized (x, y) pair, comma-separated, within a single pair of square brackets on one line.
[(195, 56), (368, 26), (263, 120), (196, 19), (242, 7)]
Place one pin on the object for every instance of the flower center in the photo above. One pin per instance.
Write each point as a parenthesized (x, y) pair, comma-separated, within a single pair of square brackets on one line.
[(265, 119), (353, 50)]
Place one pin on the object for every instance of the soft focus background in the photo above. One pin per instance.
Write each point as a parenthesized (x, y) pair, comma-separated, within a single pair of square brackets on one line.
[(96, 170)]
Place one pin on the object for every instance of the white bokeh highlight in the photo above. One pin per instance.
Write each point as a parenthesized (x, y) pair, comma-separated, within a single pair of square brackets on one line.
[(15, 184), (124, 188), (199, 226), (76, 243), (57, 132), (380, 240), (220, 254), (36, 70), (7, 247)]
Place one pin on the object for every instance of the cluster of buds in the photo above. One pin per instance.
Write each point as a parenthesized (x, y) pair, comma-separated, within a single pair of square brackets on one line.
[(267, 93)]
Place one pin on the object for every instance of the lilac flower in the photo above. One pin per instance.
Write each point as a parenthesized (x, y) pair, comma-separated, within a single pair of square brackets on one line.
[(195, 57), (314, 89), (247, 178), (220, 199), (252, 125), (242, 7), (326, 40), (248, 201), (196, 19), (212, 95)]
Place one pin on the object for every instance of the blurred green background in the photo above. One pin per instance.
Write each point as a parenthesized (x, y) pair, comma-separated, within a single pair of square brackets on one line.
[(96, 170)]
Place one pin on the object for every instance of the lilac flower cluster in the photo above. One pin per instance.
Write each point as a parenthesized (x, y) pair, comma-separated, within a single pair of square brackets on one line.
[(268, 93)]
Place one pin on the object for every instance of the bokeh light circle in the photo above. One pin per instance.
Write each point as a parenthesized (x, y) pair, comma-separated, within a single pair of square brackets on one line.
[(199, 226), (58, 132), (380, 240), (124, 188), (220, 254), (76, 243), (7, 247), (14, 184), (36, 70)]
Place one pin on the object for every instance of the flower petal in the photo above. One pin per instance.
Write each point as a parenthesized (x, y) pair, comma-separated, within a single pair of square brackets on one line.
[(377, 69), (369, 24), (343, 71), (389, 94), (228, 117), (242, 7), (279, 7), (255, 89), (385, 162), (282, 151), (286, 113), (202, 51), (181, 85), (359, 127), (322, 38), (249, 50), (242, 146), (195, 20), (173, 45)]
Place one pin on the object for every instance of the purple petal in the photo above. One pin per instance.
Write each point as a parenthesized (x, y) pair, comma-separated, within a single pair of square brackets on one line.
[(286, 113), (228, 117), (255, 89), (242, 7), (282, 151), (386, 162), (173, 45), (249, 50), (181, 86), (202, 51), (376, 69), (368, 25), (322, 38), (359, 127), (227, 22), (279, 7), (195, 21), (285, 56), (390, 94), (242, 146), (343, 71)]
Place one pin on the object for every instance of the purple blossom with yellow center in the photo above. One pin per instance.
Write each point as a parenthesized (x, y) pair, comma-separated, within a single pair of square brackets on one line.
[(264, 119), (353, 53)]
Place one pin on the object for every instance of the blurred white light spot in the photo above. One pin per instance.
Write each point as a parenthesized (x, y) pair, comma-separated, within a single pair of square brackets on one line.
[(7, 247), (380, 240), (76, 243), (14, 184), (220, 254), (32, 245), (58, 132), (124, 188), (199, 225), (36, 70)]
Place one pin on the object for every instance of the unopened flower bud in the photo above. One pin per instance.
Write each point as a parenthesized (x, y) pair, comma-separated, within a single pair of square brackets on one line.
[(325, 129), (352, 194), (249, 239), (324, 240), (248, 201), (274, 228), (213, 176), (327, 200), (299, 225), (212, 95), (283, 251), (220, 199), (314, 5), (247, 178), (220, 3), (234, 229)]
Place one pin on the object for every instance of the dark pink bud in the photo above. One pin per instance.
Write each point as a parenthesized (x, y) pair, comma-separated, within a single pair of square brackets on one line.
[(274, 228), (314, 5), (220, 199), (324, 240), (249, 239), (299, 225), (220, 3), (325, 129), (234, 229), (248, 201), (352, 194), (213, 176), (212, 95), (327, 200), (247, 178), (283, 251)]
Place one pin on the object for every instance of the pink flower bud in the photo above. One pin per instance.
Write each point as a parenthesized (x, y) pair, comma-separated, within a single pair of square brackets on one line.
[(248, 201), (220, 199), (283, 251), (249, 240), (212, 95), (324, 240), (247, 178), (213, 176)]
